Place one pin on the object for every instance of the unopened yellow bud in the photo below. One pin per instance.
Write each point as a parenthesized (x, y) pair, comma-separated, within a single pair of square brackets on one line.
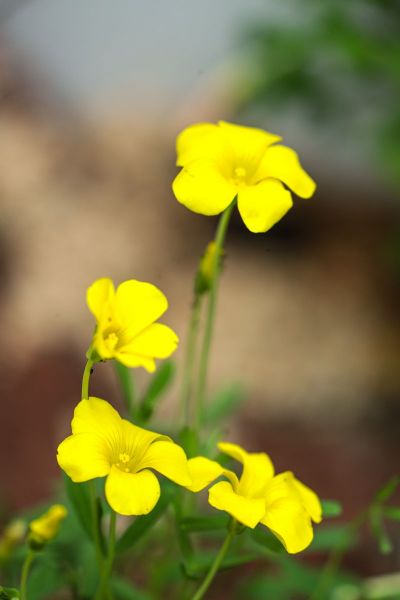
[(45, 528), (208, 265)]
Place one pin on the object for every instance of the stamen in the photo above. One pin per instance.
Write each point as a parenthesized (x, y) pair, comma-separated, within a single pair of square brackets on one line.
[(240, 172), (124, 458), (112, 340)]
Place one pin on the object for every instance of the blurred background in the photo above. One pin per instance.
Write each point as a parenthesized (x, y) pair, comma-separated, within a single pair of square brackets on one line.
[(92, 96)]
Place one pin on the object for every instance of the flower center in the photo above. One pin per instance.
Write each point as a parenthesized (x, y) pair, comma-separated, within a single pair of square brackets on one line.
[(123, 462), (239, 175), (111, 341)]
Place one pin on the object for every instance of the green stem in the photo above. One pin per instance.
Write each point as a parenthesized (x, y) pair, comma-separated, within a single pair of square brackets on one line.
[(108, 565), (95, 523), (25, 573), (216, 564), (92, 484), (189, 360), (85, 378), (210, 315)]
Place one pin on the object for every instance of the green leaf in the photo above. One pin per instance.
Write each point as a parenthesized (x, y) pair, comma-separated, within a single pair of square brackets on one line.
[(189, 440), (331, 508), (45, 578), (387, 490), (224, 403), (160, 382), (378, 529), (8, 593), (212, 523), (78, 495), (266, 539), (125, 377), (392, 512), (142, 524), (200, 563), (330, 537), (124, 590)]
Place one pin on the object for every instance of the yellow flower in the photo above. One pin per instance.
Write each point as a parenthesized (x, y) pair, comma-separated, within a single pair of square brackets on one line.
[(45, 528), (102, 444), (280, 502), (125, 319), (225, 160)]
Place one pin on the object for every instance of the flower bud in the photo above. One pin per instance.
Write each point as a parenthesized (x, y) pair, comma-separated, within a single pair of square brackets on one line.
[(43, 529), (208, 265)]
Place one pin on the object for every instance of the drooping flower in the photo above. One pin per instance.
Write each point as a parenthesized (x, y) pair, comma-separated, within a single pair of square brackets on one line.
[(43, 529), (280, 502), (126, 328), (103, 444), (222, 161)]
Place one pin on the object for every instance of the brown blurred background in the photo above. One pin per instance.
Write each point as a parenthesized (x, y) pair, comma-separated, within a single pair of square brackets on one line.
[(91, 99)]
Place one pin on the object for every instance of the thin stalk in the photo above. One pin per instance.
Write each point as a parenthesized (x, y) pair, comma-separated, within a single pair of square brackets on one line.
[(210, 315), (189, 360), (95, 523), (85, 378), (92, 484), (102, 592), (216, 565), (25, 574)]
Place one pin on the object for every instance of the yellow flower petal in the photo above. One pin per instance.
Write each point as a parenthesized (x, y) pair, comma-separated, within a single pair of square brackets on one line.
[(138, 304), (168, 459), (94, 415), (281, 162), (202, 140), (203, 189), (99, 295), (132, 493), (84, 456), (134, 360), (263, 205), (285, 485), (248, 511), (157, 340), (258, 469), (310, 500), (247, 142), (288, 520), (137, 439), (203, 471)]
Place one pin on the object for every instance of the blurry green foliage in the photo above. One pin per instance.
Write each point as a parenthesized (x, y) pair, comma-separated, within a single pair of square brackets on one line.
[(340, 61)]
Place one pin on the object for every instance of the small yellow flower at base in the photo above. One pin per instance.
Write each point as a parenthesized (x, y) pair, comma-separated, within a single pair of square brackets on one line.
[(126, 328), (103, 444), (222, 161), (280, 502), (43, 529)]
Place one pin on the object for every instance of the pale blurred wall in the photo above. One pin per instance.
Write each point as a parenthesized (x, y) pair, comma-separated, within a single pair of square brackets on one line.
[(97, 52)]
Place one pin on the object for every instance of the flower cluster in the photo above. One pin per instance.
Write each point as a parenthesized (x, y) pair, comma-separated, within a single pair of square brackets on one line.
[(280, 502), (221, 164)]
